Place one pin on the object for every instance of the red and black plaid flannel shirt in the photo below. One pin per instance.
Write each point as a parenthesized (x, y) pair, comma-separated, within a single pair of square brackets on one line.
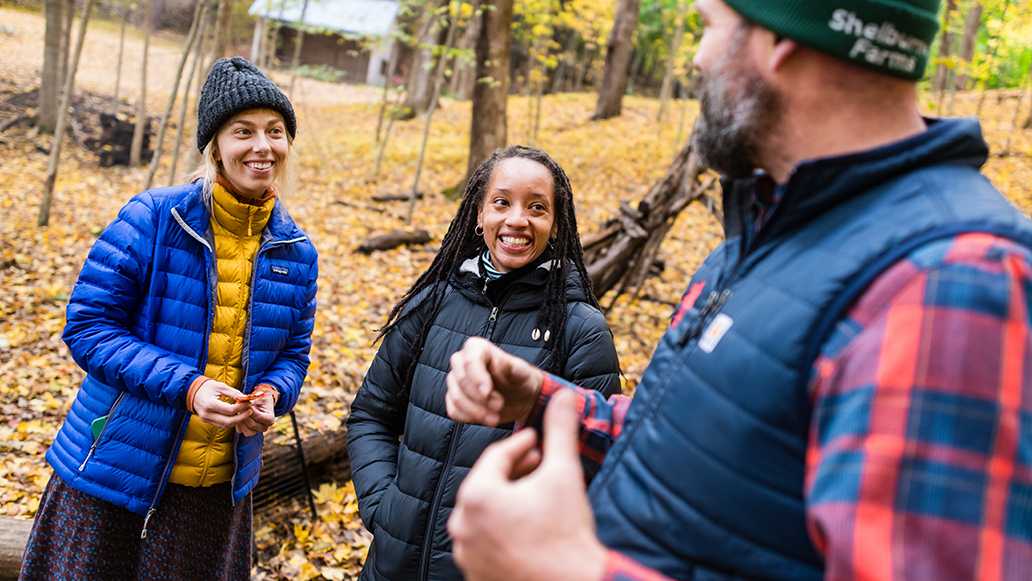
[(920, 458)]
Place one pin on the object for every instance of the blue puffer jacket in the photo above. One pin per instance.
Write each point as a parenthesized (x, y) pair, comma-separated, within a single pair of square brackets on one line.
[(139, 319)]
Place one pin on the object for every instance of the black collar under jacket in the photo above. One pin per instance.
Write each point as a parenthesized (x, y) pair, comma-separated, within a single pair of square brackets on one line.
[(518, 290), (816, 185)]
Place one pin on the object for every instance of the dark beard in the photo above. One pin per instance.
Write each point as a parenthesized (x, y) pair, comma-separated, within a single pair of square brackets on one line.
[(733, 121)]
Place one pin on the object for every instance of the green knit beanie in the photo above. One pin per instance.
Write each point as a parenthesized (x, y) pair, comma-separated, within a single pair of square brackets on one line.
[(890, 36)]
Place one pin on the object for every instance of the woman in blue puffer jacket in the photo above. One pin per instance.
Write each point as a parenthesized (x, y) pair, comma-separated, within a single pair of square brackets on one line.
[(192, 317)]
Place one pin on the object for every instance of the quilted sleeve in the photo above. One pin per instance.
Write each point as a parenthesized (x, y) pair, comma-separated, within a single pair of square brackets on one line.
[(591, 360), (377, 415), (103, 303)]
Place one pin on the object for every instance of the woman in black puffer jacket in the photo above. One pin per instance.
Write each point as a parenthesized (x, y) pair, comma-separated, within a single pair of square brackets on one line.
[(510, 269)]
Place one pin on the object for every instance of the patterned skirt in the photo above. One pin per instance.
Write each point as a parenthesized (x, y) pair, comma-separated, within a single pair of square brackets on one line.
[(195, 533)]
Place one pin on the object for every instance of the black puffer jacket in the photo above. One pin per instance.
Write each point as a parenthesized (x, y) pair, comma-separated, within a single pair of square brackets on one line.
[(407, 488)]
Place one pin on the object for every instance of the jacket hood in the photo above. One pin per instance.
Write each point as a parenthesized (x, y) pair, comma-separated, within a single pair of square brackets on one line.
[(817, 185)]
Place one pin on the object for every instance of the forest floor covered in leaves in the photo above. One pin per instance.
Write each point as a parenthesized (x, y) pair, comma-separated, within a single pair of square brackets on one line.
[(607, 162)]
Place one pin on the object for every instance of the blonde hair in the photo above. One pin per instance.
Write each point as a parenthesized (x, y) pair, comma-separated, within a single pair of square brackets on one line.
[(210, 169)]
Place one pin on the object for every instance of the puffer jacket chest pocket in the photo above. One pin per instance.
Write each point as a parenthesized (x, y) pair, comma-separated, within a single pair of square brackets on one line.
[(277, 299)]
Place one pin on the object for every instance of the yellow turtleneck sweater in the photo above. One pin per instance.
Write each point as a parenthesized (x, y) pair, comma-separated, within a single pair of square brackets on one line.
[(206, 455)]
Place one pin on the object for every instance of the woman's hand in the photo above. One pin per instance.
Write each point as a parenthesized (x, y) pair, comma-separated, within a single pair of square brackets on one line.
[(262, 416), (210, 404)]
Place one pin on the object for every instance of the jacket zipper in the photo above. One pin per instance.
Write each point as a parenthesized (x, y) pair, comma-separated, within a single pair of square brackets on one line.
[(424, 570), (164, 477), (246, 359), (202, 361), (93, 446), (714, 302), (718, 297)]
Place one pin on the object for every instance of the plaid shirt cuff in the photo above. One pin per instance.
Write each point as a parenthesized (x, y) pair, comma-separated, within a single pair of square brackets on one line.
[(549, 387)]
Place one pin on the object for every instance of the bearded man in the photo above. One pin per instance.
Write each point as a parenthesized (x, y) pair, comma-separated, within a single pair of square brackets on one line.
[(846, 389)]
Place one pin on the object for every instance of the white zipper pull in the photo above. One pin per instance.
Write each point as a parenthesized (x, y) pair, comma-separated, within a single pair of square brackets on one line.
[(494, 315), (146, 520)]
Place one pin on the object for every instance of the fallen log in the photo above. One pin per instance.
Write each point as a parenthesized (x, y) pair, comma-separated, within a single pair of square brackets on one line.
[(13, 121), (281, 479), (396, 197), (624, 252), (14, 534), (393, 240)]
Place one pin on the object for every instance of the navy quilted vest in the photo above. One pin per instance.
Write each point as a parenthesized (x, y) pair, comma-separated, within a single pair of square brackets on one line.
[(706, 481)]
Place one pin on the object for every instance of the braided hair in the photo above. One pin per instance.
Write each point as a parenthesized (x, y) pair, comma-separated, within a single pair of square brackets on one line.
[(461, 242)]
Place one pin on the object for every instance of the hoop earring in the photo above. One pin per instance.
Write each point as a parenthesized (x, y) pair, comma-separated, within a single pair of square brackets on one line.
[(479, 230)]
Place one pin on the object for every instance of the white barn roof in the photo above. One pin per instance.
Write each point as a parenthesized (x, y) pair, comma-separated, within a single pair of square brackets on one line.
[(352, 17)]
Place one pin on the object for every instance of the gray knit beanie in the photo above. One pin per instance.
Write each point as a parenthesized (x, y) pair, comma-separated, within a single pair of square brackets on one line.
[(235, 85)]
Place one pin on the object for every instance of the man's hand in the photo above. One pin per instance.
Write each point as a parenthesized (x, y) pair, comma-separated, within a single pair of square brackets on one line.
[(210, 404), (488, 386), (538, 527)]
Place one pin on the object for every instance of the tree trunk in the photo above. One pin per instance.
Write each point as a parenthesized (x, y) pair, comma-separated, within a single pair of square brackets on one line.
[(223, 20), (579, 71), (299, 40), (587, 70), (438, 83), (618, 60), (141, 104), (671, 65), (539, 100), (200, 12), (256, 40), (526, 88), (488, 129), (184, 105), (683, 93), (567, 57), (62, 119), (972, 23), (621, 254), (1027, 82), (50, 82), (637, 64), (193, 156), (419, 85), (386, 93), (464, 75), (991, 61), (945, 42), (118, 67), (68, 13), (271, 45), (382, 147)]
